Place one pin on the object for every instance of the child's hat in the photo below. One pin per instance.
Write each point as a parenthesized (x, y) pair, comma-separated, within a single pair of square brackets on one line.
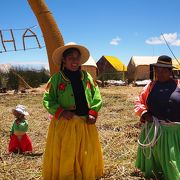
[(21, 109)]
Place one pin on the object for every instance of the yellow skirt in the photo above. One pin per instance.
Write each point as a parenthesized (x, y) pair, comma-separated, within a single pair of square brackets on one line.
[(73, 151)]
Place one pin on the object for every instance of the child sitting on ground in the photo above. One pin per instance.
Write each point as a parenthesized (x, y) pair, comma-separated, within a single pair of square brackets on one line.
[(19, 140)]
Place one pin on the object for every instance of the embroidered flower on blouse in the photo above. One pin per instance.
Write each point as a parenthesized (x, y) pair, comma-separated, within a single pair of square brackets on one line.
[(88, 85), (62, 86)]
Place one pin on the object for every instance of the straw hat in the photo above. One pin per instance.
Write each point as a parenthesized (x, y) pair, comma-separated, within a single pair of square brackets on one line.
[(58, 53), (164, 61), (21, 109)]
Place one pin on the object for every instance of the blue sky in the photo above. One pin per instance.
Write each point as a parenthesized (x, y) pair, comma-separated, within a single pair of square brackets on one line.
[(120, 28)]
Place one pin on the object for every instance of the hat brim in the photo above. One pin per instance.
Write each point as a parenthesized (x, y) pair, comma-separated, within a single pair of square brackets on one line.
[(162, 65), (58, 53), (19, 111)]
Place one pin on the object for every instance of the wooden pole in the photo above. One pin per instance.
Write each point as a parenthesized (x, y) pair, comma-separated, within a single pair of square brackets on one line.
[(123, 72), (29, 36)]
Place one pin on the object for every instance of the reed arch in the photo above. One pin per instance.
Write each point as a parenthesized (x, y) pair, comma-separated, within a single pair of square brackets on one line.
[(51, 33)]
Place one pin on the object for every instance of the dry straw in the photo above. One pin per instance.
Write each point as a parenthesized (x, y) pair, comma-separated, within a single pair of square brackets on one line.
[(117, 125)]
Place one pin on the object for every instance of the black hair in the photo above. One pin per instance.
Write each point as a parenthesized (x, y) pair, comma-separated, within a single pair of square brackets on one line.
[(70, 51), (151, 72)]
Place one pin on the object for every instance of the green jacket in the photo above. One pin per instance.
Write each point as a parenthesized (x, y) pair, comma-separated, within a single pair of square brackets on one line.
[(21, 126), (59, 94)]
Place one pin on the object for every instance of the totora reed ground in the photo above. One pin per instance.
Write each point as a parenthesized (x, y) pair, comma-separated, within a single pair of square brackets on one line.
[(117, 125)]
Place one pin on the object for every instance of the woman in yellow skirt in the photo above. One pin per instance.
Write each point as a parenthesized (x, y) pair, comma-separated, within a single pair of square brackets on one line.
[(73, 150)]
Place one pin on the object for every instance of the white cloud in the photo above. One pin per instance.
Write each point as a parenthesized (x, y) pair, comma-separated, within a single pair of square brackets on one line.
[(176, 43), (171, 38), (115, 41), (155, 40)]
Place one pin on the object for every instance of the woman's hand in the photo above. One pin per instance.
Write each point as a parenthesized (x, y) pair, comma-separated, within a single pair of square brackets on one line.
[(67, 114), (91, 119), (147, 117)]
